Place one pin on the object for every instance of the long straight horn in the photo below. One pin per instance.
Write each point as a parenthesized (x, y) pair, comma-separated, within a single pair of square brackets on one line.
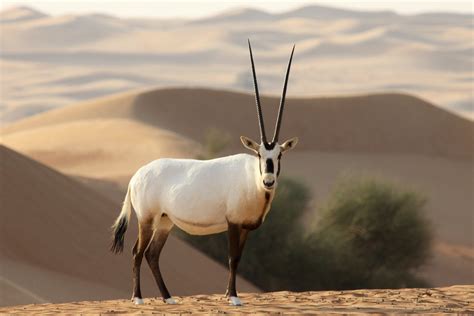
[(282, 101), (257, 100)]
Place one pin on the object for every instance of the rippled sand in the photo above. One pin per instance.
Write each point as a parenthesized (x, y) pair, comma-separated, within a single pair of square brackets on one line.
[(454, 299)]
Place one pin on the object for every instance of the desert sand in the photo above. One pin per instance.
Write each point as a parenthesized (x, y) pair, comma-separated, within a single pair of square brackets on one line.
[(54, 240), (455, 299), (397, 137), (53, 61)]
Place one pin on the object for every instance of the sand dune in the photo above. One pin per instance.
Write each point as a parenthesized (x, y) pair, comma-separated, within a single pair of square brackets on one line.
[(55, 236), (44, 32), (436, 301), (393, 123), (105, 148), (338, 52), (20, 14), (396, 137)]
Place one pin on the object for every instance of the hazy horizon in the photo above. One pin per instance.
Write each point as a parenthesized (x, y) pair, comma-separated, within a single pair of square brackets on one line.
[(339, 52), (202, 9)]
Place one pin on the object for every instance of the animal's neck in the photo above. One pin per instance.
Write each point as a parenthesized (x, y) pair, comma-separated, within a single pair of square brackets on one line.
[(265, 198)]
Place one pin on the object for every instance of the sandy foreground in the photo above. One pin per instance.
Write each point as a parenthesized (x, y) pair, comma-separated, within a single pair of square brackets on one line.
[(454, 299)]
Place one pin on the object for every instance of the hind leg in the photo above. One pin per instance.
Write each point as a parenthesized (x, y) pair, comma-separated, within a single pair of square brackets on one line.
[(145, 232), (152, 254)]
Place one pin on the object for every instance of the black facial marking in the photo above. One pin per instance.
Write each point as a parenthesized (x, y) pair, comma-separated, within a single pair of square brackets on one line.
[(279, 165), (269, 168), (269, 146), (259, 164)]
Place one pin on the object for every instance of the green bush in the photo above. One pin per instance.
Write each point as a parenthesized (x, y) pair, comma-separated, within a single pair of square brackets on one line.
[(373, 234), (369, 235)]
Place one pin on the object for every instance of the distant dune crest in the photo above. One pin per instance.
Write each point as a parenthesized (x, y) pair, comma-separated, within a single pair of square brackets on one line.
[(20, 14), (392, 123), (338, 52)]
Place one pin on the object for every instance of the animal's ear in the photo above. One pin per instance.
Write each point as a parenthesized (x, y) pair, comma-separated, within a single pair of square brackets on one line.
[(289, 144), (250, 144)]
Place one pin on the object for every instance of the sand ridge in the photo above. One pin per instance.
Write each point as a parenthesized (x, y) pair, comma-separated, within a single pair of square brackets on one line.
[(393, 123), (454, 299)]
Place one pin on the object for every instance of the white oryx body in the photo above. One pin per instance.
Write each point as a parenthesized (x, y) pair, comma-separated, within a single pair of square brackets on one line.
[(232, 194), (201, 196)]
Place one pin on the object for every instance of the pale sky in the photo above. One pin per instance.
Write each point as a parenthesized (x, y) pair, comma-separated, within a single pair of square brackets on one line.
[(197, 9)]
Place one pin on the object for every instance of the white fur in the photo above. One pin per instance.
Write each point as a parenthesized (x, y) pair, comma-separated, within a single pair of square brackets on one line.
[(170, 301), (198, 196), (138, 301), (202, 196), (234, 300)]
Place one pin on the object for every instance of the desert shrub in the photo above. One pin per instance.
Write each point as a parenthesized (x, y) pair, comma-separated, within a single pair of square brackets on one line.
[(373, 234), (370, 234), (215, 141)]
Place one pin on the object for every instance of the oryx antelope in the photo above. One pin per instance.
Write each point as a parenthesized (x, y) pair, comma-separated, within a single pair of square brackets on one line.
[(232, 193)]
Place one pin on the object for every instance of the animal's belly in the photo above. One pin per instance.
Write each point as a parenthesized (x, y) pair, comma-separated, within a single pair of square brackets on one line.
[(194, 228), (197, 216)]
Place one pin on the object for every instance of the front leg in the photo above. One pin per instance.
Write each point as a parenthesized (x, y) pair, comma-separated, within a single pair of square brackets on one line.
[(236, 237)]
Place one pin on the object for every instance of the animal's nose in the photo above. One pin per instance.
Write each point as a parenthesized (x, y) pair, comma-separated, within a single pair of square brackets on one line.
[(268, 180), (268, 184)]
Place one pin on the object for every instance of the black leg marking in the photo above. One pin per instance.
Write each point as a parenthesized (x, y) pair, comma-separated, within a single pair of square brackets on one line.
[(144, 235), (236, 237), (152, 255), (243, 238)]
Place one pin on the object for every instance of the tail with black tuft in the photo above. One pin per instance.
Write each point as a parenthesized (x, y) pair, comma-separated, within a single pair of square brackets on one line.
[(120, 226)]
